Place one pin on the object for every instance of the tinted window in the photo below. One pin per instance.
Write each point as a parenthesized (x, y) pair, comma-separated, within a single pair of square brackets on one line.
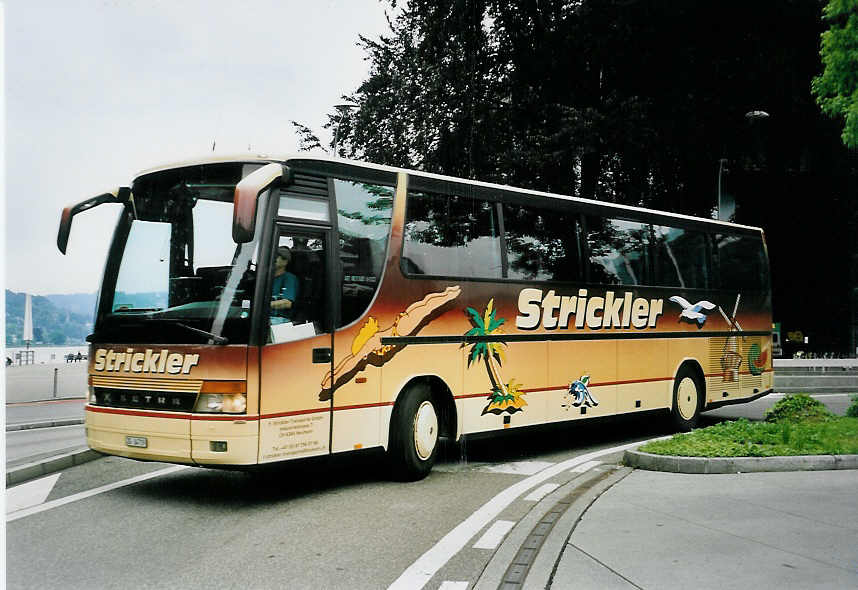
[(679, 258), (618, 251), (741, 262), (451, 235), (541, 244), (363, 220)]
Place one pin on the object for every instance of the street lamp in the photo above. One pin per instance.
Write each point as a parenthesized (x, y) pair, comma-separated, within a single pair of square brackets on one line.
[(727, 210), (343, 109)]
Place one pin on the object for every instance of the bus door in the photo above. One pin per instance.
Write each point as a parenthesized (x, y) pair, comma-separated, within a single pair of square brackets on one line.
[(295, 418)]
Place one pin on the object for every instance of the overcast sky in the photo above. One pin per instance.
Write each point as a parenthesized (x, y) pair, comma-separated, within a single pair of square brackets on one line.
[(99, 90)]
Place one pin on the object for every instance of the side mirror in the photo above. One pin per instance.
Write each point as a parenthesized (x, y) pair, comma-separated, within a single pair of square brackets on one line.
[(247, 194), (119, 195)]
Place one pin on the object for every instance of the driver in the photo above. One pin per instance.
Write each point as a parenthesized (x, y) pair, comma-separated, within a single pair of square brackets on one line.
[(284, 286)]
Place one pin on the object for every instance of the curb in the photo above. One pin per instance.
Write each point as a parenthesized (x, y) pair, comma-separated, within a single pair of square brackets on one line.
[(28, 471), (557, 508), (714, 465), (44, 424)]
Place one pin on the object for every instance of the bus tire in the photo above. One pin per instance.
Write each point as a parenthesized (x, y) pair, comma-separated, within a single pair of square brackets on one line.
[(413, 434), (687, 399)]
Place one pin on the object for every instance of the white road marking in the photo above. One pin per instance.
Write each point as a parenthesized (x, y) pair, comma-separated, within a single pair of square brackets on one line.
[(89, 493), (453, 586), (428, 564), (585, 467), (492, 537), (31, 493), (518, 467), (540, 492)]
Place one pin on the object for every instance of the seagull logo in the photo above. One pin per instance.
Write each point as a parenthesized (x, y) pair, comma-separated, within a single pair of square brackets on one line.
[(693, 313)]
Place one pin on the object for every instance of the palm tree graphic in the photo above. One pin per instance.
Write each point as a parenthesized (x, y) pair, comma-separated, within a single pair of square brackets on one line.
[(504, 397)]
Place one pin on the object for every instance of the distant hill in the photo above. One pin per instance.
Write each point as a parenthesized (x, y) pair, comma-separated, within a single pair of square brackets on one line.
[(82, 303), (58, 320)]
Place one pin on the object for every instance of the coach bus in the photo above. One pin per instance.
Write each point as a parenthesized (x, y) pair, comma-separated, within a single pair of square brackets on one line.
[(260, 310)]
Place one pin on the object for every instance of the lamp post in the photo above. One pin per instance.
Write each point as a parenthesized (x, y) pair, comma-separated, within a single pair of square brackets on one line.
[(343, 109), (726, 210)]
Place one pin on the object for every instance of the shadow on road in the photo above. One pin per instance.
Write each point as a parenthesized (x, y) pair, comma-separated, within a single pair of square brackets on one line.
[(294, 480)]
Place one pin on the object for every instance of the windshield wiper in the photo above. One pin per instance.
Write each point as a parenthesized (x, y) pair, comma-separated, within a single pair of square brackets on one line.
[(214, 338)]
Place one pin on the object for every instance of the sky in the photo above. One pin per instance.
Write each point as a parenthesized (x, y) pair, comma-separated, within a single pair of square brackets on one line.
[(98, 90)]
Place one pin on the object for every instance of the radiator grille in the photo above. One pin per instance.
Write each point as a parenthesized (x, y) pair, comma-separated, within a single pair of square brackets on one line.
[(748, 379), (725, 361), (146, 393), (148, 383), (730, 363), (173, 401)]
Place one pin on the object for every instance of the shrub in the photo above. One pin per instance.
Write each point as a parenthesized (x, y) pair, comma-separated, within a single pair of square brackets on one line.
[(852, 411), (798, 407)]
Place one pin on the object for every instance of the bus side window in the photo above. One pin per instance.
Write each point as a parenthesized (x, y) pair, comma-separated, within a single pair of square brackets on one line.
[(363, 220), (679, 258), (541, 244), (619, 251), (747, 270), (297, 309), (452, 236)]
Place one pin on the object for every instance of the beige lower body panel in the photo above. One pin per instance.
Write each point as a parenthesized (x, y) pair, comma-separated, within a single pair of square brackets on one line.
[(241, 437), (173, 440), (168, 439), (293, 437), (356, 429)]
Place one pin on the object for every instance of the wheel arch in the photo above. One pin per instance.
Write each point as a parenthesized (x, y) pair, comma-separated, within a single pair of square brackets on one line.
[(692, 365), (442, 398)]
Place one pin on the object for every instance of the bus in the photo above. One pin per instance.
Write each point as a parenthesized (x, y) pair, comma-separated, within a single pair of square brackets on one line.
[(257, 310)]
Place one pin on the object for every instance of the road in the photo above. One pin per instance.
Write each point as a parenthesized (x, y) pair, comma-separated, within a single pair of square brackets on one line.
[(27, 445), (330, 524)]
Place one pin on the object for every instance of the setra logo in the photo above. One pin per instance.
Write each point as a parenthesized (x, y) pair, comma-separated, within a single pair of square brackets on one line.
[(148, 361)]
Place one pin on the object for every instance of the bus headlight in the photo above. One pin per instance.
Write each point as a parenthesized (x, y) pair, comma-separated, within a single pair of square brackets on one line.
[(225, 403)]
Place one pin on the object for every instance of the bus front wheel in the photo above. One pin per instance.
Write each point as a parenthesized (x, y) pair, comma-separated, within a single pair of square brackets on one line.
[(413, 434), (687, 400)]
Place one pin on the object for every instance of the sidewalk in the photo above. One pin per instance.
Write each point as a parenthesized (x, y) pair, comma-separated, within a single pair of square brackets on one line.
[(759, 530), (615, 527)]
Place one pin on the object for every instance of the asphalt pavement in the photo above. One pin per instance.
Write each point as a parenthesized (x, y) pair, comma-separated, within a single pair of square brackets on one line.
[(44, 419), (612, 527)]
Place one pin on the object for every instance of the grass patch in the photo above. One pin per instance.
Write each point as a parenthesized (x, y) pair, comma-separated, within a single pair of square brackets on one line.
[(793, 426), (852, 410), (797, 408)]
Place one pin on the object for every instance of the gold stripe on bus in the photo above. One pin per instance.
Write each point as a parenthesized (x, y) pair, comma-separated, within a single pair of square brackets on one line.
[(148, 383)]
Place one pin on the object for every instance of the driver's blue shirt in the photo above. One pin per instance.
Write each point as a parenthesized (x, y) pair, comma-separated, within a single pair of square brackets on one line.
[(284, 287)]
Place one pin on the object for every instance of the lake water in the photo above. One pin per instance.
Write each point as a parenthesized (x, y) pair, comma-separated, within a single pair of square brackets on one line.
[(46, 355)]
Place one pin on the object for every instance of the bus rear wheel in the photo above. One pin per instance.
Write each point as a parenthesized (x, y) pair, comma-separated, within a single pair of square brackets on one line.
[(413, 434), (687, 400)]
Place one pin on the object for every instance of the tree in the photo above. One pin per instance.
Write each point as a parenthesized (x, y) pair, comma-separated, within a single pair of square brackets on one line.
[(836, 89)]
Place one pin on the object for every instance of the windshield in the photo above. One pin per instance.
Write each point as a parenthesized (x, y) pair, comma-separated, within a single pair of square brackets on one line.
[(180, 278)]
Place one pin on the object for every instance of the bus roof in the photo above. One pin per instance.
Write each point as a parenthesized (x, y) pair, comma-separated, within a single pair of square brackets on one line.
[(264, 158)]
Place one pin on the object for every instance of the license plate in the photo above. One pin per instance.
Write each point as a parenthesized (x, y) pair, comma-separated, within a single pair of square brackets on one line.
[(136, 441)]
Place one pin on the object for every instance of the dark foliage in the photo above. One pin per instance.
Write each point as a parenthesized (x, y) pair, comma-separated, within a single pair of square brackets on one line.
[(632, 101)]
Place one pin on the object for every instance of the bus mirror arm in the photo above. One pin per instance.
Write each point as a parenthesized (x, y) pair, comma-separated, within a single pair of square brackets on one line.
[(118, 195), (247, 195)]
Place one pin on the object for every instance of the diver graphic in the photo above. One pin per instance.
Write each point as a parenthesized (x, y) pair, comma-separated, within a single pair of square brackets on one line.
[(580, 393), (693, 313)]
